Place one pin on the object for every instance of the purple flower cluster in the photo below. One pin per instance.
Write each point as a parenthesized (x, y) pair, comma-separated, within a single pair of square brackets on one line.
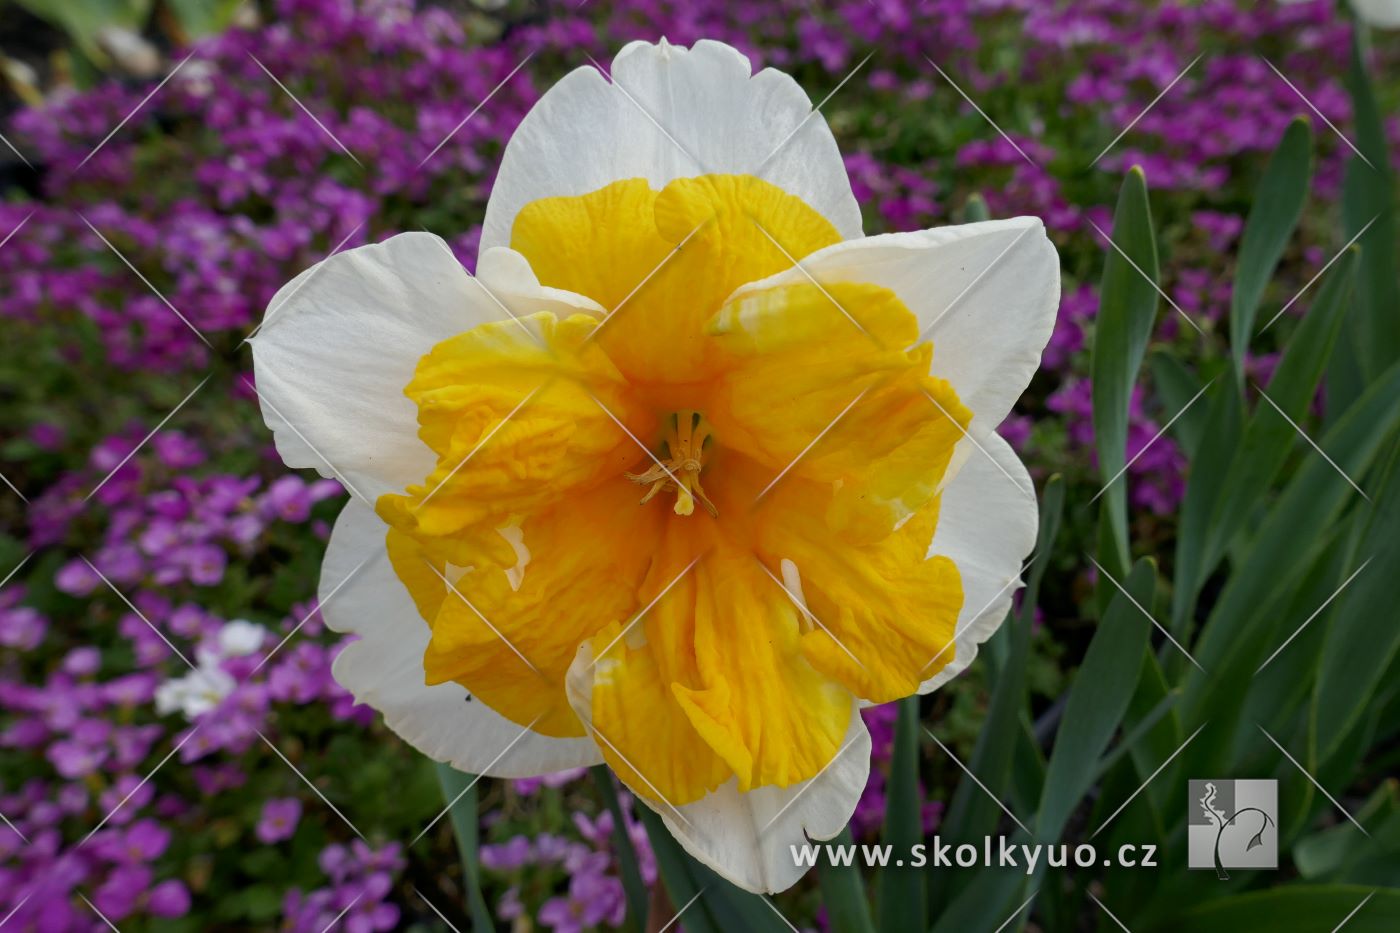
[(145, 539)]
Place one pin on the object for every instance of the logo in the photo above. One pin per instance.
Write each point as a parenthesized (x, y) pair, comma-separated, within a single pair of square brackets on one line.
[(1232, 824)]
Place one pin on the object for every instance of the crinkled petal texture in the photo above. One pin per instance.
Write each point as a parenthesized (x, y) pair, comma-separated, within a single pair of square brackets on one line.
[(670, 310)]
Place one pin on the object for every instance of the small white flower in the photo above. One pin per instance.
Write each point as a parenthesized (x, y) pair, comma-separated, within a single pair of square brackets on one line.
[(196, 693), (240, 637)]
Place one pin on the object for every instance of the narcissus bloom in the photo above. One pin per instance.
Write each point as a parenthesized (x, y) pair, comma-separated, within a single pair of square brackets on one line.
[(686, 474)]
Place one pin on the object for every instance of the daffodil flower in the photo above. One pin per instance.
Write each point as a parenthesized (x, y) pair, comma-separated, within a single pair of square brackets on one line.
[(686, 474)]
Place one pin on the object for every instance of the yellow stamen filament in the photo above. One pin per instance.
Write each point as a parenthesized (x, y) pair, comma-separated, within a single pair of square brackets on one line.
[(683, 457)]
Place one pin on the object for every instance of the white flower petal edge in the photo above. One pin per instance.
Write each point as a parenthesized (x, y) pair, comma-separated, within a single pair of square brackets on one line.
[(987, 524), (384, 668), (985, 294), (671, 112), (748, 838), (1384, 14), (341, 341)]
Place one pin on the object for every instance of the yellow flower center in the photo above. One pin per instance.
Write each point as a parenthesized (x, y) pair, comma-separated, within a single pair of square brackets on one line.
[(696, 647), (683, 454)]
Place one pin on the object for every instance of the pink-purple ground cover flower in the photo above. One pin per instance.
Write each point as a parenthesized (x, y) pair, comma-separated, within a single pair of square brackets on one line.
[(139, 542)]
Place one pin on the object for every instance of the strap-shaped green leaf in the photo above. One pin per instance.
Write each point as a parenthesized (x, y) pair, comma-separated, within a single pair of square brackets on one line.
[(1127, 307), (901, 890), (459, 790), (1273, 216)]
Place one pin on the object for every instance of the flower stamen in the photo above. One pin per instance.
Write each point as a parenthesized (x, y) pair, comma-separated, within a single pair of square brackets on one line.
[(684, 451)]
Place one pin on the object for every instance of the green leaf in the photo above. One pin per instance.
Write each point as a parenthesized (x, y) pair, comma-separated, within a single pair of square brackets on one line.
[(1269, 437), (1246, 622), (720, 907), (1273, 216), (1296, 907), (459, 791), (1127, 307), (632, 884), (1176, 387), (1362, 638), (1368, 197), (843, 893), (901, 892), (1097, 700)]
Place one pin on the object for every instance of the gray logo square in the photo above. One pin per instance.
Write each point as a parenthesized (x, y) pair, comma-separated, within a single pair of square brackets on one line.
[(1232, 824)]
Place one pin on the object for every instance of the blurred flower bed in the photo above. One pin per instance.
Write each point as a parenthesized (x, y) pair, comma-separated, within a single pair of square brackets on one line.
[(151, 530)]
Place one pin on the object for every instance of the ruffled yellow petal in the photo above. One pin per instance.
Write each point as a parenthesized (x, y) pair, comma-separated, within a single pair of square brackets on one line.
[(662, 263), (883, 614), (828, 382), (509, 634)]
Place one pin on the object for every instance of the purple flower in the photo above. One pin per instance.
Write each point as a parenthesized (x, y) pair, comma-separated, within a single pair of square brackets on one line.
[(279, 819)]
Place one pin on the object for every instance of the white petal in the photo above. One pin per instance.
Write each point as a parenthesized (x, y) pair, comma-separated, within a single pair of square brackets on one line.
[(341, 341), (1384, 14), (670, 113), (748, 838), (384, 667), (985, 294), (987, 523)]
